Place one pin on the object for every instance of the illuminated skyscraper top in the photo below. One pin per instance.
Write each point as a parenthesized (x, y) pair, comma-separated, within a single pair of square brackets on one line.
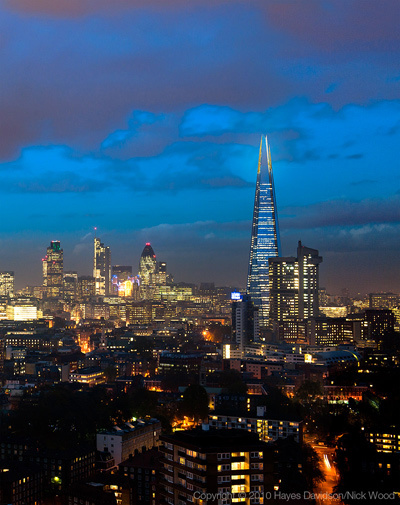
[(265, 242)]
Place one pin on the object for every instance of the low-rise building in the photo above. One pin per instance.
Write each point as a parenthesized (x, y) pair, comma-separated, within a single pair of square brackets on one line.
[(130, 439), (268, 428), (91, 376)]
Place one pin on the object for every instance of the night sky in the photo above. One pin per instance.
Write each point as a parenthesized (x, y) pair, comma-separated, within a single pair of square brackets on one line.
[(146, 122)]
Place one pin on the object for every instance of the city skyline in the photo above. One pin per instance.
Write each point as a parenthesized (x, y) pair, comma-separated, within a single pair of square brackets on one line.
[(157, 139)]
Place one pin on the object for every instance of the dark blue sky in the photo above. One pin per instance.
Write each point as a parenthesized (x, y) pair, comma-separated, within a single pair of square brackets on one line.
[(146, 121)]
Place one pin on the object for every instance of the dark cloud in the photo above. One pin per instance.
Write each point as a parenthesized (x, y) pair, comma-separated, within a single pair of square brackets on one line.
[(332, 26), (78, 8), (64, 182), (364, 182), (342, 213)]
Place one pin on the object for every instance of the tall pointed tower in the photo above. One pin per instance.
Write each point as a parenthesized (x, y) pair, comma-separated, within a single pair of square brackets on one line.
[(265, 242)]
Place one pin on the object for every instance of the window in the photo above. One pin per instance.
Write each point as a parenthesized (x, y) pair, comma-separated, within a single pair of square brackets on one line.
[(240, 466), (224, 468), (224, 455)]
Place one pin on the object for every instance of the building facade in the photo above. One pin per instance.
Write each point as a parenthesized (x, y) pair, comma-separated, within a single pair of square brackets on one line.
[(53, 266), (214, 467), (245, 322), (6, 283), (101, 268), (267, 428), (265, 242), (294, 286), (147, 272), (130, 439)]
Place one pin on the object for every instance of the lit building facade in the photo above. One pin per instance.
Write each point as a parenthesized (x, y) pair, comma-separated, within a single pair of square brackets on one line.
[(101, 268), (86, 286), (284, 289), (309, 261), (6, 283), (53, 266), (70, 285), (265, 242), (294, 286), (384, 300), (267, 428), (147, 266), (229, 466), (245, 322), (22, 310)]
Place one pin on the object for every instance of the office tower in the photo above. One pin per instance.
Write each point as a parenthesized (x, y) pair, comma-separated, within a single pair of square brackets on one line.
[(86, 286), (383, 300), (284, 289), (161, 269), (265, 241), (102, 268), (70, 285), (308, 260), (53, 265), (245, 321), (6, 283), (380, 322), (147, 266), (294, 286)]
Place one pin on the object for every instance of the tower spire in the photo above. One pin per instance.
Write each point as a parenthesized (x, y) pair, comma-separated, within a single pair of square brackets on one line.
[(265, 242)]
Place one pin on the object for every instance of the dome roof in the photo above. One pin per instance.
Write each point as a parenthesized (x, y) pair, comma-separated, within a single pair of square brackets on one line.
[(148, 251)]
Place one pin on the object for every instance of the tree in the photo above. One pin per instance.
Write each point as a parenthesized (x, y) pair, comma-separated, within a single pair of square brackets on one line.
[(195, 402), (232, 381), (110, 373), (309, 390)]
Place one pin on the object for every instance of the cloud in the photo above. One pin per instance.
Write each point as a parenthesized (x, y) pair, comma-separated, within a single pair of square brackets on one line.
[(138, 120), (344, 213), (330, 24), (52, 169), (78, 8)]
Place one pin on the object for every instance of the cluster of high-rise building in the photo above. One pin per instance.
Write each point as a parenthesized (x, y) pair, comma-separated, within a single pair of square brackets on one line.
[(127, 332), (107, 279)]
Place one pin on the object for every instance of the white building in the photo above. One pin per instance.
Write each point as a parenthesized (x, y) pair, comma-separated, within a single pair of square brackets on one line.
[(130, 439)]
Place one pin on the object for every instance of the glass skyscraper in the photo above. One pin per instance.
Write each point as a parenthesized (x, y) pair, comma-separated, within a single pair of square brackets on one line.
[(265, 242), (53, 267), (101, 268)]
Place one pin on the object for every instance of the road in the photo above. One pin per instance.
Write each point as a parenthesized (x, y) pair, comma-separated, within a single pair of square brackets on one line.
[(325, 488)]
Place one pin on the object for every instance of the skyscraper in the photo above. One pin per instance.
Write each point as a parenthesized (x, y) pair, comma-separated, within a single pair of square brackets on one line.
[(53, 266), (265, 242), (6, 283), (309, 261), (147, 266), (245, 324), (294, 284), (101, 268)]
